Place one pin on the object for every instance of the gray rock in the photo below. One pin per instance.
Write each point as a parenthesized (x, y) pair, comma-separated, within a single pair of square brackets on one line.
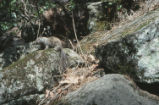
[(95, 14), (111, 89), (74, 58), (14, 52), (23, 80), (135, 54), (101, 13), (14, 48), (127, 28), (11, 48), (27, 100)]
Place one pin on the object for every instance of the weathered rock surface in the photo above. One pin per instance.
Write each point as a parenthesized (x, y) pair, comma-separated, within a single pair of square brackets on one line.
[(14, 48), (113, 89), (97, 16), (128, 27), (102, 12), (11, 49), (135, 54), (134, 51), (25, 80)]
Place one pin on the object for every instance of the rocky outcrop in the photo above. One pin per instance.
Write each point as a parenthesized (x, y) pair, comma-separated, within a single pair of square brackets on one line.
[(135, 54), (25, 80), (134, 51), (14, 48), (113, 89)]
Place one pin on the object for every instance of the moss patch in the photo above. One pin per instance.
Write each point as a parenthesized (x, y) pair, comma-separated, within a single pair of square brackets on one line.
[(102, 25), (21, 62)]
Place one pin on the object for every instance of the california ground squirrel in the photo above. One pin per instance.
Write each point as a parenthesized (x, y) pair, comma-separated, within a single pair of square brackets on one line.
[(56, 43)]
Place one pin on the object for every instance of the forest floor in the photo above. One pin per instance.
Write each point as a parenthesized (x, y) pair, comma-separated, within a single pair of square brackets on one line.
[(76, 77)]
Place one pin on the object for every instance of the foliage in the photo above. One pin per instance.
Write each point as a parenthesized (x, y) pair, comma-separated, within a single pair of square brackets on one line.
[(14, 12), (70, 5), (20, 12)]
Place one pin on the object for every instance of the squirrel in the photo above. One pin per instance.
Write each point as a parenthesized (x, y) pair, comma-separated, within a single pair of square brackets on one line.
[(56, 43)]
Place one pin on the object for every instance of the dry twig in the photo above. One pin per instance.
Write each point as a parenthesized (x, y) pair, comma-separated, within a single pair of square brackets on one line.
[(74, 29)]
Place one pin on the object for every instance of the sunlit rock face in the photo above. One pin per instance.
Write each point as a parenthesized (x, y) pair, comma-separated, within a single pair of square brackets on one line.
[(136, 54), (134, 51)]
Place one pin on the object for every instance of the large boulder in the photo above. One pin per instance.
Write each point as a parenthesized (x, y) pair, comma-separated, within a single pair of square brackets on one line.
[(13, 48), (25, 80), (134, 50), (130, 25), (135, 54), (113, 89)]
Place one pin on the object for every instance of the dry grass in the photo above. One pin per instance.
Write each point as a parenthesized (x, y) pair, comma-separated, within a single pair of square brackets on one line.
[(72, 79)]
